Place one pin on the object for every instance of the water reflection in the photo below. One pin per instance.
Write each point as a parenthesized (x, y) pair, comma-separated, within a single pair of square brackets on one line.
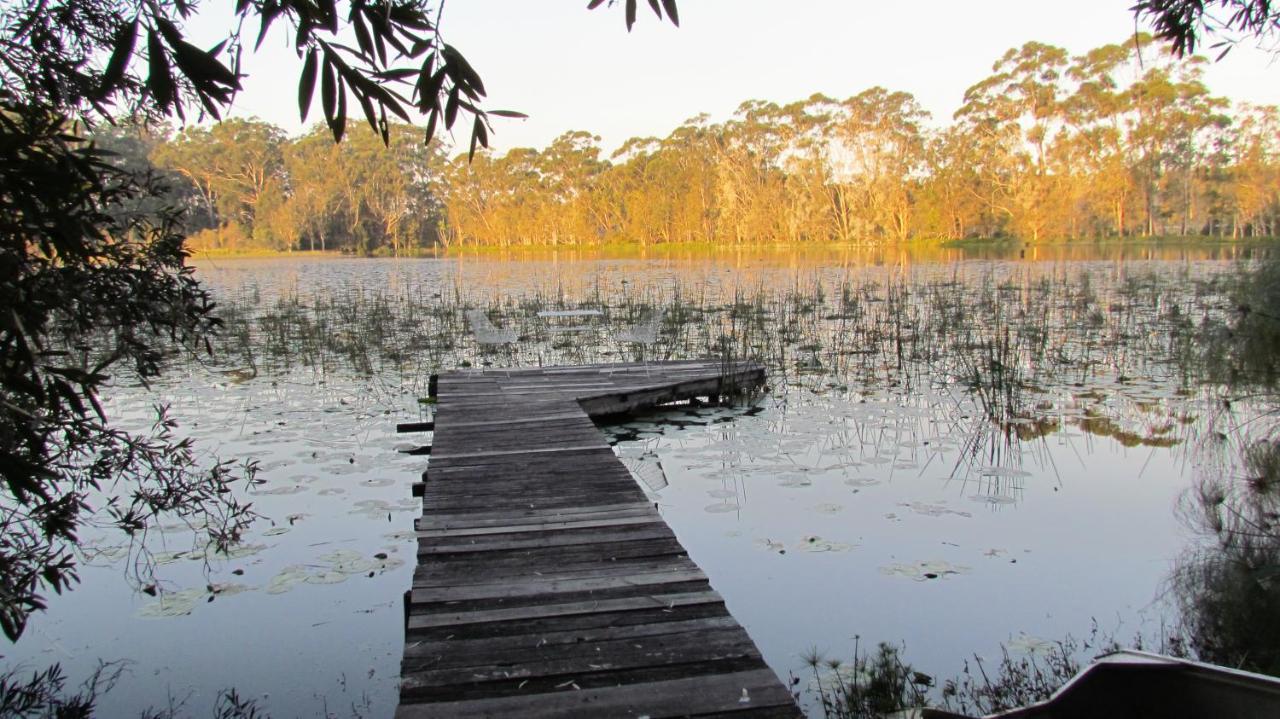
[(949, 453), (1228, 586)]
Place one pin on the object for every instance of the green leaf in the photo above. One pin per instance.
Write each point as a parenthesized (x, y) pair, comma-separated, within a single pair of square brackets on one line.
[(451, 108), (477, 130), (307, 84), (509, 113), (431, 126), (119, 61), (198, 65), (424, 80), (431, 96), (464, 74), (670, 5), (159, 80), (328, 90), (339, 124), (367, 106), (168, 30), (363, 39), (400, 73)]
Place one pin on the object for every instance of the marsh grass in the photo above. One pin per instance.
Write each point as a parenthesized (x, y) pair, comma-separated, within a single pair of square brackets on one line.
[(878, 684), (872, 685), (1020, 346)]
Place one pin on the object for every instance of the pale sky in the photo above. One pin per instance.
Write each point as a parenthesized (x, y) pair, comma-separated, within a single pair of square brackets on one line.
[(569, 68)]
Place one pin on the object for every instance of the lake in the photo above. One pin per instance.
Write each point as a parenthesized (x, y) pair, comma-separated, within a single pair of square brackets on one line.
[(953, 453)]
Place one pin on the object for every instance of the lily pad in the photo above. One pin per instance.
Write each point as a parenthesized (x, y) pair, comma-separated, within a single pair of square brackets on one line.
[(925, 570), (931, 509)]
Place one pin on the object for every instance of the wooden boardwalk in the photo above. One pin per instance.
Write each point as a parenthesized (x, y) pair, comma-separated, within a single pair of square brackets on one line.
[(547, 585)]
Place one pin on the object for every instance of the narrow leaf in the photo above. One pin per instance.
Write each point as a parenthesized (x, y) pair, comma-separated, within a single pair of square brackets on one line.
[(476, 129), (431, 126), (471, 79), (672, 13), (328, 90), (363, 39), (168, 30), (339, 124), (369, 115), (307, 84), (120, 55), (159, 79), (451, 108), (198, 64)]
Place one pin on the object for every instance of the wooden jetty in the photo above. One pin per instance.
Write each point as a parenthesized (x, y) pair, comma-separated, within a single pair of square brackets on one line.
[(547, 585)]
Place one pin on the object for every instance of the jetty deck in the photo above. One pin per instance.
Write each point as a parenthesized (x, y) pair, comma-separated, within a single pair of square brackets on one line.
[(547, 585)]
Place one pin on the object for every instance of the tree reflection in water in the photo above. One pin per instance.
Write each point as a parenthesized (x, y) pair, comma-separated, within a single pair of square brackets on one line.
[(1226, 588)]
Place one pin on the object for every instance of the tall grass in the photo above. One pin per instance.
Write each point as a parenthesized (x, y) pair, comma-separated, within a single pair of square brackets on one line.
[(1020, 342)]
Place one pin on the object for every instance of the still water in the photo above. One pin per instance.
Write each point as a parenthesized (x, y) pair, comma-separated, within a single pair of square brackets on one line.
[(952, 454)]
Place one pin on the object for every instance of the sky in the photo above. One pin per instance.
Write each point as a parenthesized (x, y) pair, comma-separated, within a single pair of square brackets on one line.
[(573, 69)]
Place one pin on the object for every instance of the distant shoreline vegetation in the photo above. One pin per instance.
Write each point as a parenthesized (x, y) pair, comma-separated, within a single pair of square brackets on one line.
[(1003, 246), (1123, 141)]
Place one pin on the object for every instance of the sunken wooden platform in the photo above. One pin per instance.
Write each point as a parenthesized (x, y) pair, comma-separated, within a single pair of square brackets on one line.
[(547, 585)]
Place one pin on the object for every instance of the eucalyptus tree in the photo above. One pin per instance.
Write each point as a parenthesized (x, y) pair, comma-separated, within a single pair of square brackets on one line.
[(232, 164), (1098, 156), (468, 203), (878, 154), (313, 200), (621, 195), (951, 202), (1255, 172), (686, 161), (499, 201), (570, 168), (1012, 118), (1173, 118), (361, 195), (751, 150), (128, 146)]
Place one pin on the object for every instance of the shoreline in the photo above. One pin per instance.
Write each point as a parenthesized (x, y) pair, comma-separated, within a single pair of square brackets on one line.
[(912, 249)]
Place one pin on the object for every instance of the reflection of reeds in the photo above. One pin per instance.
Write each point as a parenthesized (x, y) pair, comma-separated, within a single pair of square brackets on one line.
[(1008, 335)]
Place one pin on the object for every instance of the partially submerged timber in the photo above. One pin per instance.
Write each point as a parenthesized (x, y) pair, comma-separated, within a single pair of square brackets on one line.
[(547, 584)]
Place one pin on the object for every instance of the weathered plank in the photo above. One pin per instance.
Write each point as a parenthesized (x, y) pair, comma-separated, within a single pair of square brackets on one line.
[(547, 584), (690, 696)]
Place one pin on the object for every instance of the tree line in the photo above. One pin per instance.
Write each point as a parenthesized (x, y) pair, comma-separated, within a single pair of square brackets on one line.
[(1124, 140), (246, 185)]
